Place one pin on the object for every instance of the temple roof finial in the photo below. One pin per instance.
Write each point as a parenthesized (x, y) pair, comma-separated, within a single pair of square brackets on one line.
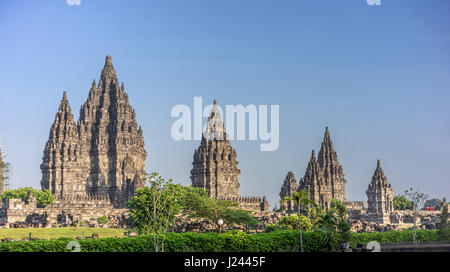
[(108, 60), (108, 70)]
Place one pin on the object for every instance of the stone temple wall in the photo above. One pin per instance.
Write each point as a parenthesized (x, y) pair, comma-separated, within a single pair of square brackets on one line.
[(354, 205), (17, 213), (362, 221), (253, 203)]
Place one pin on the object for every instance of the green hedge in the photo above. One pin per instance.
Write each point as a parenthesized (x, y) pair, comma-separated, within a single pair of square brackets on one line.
[(393, 236), (234, 241)]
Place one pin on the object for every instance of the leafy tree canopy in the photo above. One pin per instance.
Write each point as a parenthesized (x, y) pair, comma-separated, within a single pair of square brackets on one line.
[(198, 205), (164, 200), (182, 193), (402, 203), (153, 208), (434, 202), (292, 223), (335, 219), (239, 216)]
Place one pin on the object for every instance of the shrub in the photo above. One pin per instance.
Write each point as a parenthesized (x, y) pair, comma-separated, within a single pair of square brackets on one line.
[(271, 228), (393, 236), (233, 241), (103, 219)]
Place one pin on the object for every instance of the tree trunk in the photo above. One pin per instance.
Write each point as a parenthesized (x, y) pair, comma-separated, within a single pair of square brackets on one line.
[(415, 227), (300, 231), (415, 222)]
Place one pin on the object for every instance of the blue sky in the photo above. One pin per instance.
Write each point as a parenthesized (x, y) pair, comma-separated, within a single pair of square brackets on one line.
[(377, 76)]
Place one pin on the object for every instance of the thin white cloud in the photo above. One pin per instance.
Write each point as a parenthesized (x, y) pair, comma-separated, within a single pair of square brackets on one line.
[(73, 2)]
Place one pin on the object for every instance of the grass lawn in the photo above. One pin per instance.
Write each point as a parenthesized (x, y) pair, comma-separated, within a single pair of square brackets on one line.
[(54, 233)]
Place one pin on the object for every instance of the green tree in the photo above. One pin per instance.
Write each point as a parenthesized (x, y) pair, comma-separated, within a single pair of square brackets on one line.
[(331, 221), (444, 231), (240, 217), (153, 209), (434, 202), (292, 222), (200, 206), (402, 203), (418, 200), (44, 197), (326, 223), (343, 225), (182, 193), (303, 201)]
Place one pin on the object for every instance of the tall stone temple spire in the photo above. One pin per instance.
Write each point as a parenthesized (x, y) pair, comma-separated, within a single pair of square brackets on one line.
[(62, 166), (215, 128), (314, 183), (324, 177), (215, 165), (112, 138), (290, 186), (380, 197), (331, 168), (103, 155)]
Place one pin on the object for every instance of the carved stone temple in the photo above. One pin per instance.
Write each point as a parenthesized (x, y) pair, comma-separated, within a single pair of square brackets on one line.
[(289, 187), (100, 156), (324, 180), (324, 177), (215, 166), (93, 166), (380, 197)]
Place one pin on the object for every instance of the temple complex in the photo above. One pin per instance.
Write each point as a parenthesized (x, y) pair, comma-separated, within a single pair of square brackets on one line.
[(93, 166), (324, 180)]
